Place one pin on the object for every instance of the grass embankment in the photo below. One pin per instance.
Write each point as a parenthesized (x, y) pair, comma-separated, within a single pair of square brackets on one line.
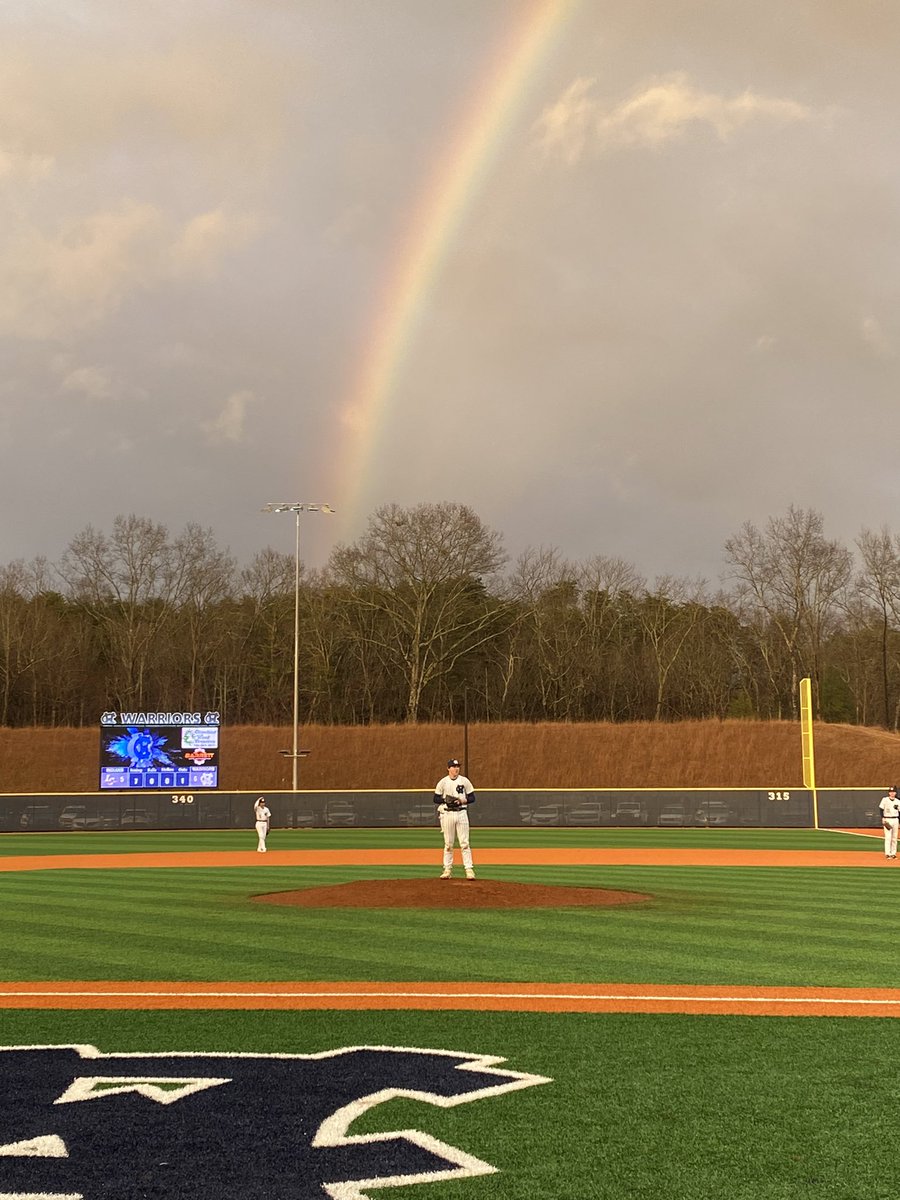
[(684, 754)]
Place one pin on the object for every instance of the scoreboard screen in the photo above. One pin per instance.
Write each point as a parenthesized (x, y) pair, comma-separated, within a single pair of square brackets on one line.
[(153, 751)]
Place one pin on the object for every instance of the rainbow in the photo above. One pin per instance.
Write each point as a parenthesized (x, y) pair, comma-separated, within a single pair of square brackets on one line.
[(435, 220)]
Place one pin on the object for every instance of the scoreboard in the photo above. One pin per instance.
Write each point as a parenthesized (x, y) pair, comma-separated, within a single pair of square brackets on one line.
[(159, 751)]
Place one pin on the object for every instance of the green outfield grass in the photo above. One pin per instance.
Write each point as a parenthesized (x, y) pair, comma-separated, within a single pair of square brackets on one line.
[(703, 925), (197, 840), (674, 1107), (641, 1107)]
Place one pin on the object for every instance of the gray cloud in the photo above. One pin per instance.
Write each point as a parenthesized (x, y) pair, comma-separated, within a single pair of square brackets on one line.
[(666, 304)]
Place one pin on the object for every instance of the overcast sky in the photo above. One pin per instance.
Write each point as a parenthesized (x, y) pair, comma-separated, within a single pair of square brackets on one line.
[(657, 247)]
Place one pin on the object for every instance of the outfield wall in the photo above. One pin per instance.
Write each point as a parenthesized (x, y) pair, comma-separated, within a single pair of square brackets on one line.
[(582, 807)]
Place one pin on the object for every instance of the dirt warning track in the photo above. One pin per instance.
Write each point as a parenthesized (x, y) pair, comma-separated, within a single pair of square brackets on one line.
[(508, 856)]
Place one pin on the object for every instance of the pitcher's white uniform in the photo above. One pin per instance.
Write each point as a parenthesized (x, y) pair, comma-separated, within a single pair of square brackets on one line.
[(453, 795), (262, 816), (890, 820)]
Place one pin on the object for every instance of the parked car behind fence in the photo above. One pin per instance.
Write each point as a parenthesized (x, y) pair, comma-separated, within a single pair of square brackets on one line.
[(339, 812), (716, 812), (592, 812), (424, 813), (547, 814), (629, 812), (671, 814)]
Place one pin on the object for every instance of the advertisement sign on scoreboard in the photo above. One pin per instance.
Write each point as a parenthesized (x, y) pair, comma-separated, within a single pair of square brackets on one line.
[(159, 751)]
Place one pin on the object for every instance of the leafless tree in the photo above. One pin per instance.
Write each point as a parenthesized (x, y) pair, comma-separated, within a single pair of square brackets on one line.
[(668, 615), (789, 576), (417, 621), (27, 627), (609, 589), (423, 570), (129, 582), (207, 581), (263, 634), (549, 630), (878, 586)]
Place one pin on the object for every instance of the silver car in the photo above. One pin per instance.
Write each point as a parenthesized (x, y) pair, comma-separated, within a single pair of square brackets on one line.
[(339, 812), (589, 813), (547, 814), (671, 814), (714, 813)]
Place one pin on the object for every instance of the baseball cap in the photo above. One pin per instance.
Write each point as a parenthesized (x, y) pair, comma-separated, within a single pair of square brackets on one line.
[(892, 788), (454, 762)]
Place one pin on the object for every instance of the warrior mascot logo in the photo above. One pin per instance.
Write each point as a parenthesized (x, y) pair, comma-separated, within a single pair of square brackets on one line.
[(77, 1123)]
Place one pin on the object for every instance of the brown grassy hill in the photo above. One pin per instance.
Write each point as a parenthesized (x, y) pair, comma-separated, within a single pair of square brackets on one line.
[(762, 754)]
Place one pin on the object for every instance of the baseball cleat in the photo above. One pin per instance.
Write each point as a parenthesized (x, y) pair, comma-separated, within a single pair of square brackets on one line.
[(470, 874), (446, 874)]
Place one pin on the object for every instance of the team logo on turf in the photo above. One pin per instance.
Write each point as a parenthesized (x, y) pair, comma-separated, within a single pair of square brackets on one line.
[(75, 1122)]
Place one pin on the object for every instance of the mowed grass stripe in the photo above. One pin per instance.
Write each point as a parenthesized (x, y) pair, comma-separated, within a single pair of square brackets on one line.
[(192, 841), (709, 919), (778, 886), (156, 930), (705, 925)]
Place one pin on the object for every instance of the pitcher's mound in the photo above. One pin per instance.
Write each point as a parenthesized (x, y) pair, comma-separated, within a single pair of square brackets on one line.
[(449, 893)]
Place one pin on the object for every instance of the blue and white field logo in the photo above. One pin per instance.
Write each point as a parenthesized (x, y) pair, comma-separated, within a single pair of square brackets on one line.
[(77, 1123)]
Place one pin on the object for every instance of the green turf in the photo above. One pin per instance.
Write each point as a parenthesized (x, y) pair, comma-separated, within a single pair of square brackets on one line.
[(674, 1107), (641, 1106), (197, 840), (801, 926)]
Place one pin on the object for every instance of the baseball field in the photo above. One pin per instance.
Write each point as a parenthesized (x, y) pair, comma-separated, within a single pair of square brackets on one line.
[(686, 1013)]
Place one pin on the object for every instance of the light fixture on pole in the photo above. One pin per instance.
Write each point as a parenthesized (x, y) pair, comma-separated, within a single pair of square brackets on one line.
[(297, 509)]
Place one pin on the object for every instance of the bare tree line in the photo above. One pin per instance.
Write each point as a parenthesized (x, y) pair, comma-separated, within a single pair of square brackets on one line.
[(425, 619)]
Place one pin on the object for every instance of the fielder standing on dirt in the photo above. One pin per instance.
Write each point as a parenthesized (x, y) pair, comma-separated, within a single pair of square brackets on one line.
[(262, 817), (453, 795), (890, 820)]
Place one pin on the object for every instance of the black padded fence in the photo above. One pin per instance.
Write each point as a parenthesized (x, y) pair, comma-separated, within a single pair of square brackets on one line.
[(577, 808)]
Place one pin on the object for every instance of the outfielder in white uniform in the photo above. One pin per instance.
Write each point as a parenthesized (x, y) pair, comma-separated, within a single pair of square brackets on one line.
[(453, 795), (890, 820), (262, 817)]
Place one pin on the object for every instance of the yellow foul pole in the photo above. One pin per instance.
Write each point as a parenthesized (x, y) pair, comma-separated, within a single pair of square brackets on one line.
[(806, 739)]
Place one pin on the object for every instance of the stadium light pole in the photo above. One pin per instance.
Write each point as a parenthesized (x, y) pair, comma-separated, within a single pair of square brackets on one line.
[(296, 509)]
